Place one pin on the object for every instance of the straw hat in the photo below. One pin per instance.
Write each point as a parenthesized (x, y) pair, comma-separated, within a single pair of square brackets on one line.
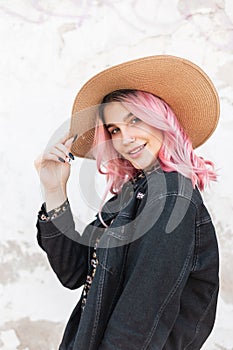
[(179, 82)]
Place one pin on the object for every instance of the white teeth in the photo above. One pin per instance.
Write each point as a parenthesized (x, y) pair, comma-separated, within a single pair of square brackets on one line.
[(137, 150)]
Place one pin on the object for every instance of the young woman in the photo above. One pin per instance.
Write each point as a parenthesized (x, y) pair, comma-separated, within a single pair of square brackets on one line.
[(148, 263)]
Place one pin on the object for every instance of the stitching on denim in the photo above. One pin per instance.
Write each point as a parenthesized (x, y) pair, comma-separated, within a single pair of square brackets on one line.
[(181, 181), (169, 297), (57, 233), (152, 201), (197, 329), (104, 267), (118, 236), (52, 236), (120, 278), (125, 215), (99, 298), (204, 220), (196, 249), (206, 310)]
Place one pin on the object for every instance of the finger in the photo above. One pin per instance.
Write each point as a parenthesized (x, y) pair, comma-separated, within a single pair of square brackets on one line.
[(56, 158), (42, 161), (55, 155), (52, 157), (58, 153), (37, 162), (62, 148), (69, 142), (65, 138), (67, 155)]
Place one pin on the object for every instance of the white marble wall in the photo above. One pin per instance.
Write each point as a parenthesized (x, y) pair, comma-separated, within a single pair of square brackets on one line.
[(48, 50)]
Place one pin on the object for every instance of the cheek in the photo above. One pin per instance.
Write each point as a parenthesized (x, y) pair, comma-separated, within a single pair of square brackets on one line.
[(158, 138), (116, 143)]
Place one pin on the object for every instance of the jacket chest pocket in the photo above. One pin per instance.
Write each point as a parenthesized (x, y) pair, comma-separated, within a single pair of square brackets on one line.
[(111, 253)]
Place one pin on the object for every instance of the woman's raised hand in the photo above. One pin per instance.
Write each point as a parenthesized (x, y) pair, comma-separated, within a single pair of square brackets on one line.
[(53, 168)]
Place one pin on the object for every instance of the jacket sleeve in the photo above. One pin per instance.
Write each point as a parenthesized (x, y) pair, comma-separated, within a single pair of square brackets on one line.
[(66, 249), (158, 265)]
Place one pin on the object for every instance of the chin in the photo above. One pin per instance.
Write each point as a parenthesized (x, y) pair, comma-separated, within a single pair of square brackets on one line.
[(146, 165)]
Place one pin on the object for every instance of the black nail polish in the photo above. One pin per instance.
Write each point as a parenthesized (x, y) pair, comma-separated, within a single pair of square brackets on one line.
[(75, 137), (71, 156), (61, 160)]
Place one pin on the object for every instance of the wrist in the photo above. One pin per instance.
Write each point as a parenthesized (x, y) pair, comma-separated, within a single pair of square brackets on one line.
[(57, 189), (54, 198)]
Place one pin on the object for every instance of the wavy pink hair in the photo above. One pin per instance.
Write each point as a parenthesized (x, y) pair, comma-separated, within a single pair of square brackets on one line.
[(176, 153)]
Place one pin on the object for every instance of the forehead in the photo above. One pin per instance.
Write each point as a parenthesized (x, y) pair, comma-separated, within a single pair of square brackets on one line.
[(115, 112)]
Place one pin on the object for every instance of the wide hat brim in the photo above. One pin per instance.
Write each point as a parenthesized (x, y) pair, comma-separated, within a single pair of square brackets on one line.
[(182, 84)]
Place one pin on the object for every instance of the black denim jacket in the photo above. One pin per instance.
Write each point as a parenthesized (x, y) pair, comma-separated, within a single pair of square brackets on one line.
[(156, 283)]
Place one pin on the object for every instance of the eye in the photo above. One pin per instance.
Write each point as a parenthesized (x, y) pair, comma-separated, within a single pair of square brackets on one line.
[(134, 121), (114, 131)]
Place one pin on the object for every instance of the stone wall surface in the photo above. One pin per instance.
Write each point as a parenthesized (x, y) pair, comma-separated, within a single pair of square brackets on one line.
[(49, 48)]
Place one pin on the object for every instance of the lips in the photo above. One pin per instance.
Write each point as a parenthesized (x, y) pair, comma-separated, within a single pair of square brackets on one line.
[(137, 149)]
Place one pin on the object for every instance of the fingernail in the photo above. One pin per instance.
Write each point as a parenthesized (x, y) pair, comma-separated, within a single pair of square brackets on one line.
[(61, 160), (68, 160), (75, 137), (71, 156)]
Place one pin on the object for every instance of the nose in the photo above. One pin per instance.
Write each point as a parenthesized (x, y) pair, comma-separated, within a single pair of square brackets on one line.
[(127, 138)]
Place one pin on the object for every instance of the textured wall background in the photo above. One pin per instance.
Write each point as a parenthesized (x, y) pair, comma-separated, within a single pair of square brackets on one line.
[(48, 50)]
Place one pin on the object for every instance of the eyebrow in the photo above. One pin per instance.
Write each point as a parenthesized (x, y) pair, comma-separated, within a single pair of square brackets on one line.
[(126, 117)]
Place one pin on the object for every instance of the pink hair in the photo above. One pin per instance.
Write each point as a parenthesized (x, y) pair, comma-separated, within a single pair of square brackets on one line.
[(176, 153)]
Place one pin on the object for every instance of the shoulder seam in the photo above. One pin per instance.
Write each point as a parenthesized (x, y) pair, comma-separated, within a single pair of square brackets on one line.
[(172, 194)]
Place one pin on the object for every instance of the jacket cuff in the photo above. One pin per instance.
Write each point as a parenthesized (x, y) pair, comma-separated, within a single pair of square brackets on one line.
[(57, 225)]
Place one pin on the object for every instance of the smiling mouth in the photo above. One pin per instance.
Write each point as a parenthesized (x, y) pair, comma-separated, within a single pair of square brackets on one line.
[(137, 149)]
